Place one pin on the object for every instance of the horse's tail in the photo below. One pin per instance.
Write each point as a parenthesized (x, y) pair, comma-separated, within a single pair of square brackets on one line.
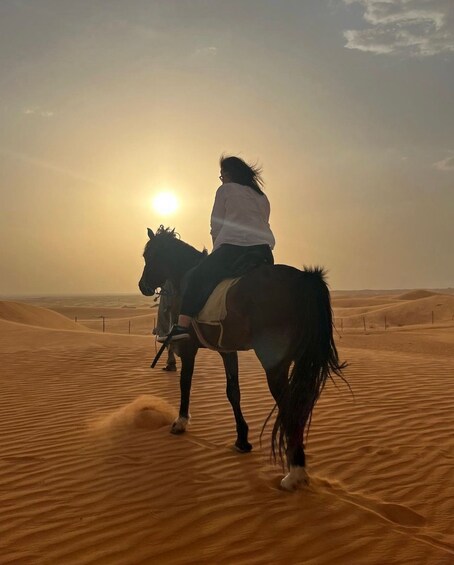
[(315, 359)]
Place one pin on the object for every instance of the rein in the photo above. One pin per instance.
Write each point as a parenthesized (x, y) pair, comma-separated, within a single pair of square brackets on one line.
[(159, 353)]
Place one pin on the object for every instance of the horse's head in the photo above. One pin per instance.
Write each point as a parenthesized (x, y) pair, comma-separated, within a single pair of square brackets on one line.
[(155, 272), (166, 258)]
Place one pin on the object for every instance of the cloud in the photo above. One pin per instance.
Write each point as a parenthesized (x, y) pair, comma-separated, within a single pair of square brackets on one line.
[(207, 51), (445, 164), (418, 28), (204, 54), (37, 111)]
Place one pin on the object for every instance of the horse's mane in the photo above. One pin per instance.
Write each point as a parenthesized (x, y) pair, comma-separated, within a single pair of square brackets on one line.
[(169, 234)]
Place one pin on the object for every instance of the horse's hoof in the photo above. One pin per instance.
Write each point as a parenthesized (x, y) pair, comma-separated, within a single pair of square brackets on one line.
[(176, 429), (295, 479), (179, 426), (243, 446)]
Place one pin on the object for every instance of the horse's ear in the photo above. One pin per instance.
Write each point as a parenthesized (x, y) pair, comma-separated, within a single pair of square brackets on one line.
[(150, 233)]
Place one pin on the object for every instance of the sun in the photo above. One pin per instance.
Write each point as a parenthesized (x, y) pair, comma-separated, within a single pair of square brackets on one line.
[(165, 203)]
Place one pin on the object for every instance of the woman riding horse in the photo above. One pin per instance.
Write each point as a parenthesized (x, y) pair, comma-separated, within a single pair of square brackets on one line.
[(292, 337), (239, 226)]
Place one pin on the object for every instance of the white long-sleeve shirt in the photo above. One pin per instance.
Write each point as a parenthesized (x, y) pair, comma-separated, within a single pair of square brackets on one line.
[(240, 216)]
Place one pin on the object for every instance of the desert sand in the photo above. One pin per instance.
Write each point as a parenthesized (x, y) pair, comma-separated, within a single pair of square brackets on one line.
[(90, 474)]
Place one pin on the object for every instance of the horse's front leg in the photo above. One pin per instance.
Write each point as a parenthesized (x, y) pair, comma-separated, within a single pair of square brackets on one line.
[(233, 394), (187, 352)]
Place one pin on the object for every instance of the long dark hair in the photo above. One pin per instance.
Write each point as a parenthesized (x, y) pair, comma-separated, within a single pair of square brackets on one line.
[(243, 173)]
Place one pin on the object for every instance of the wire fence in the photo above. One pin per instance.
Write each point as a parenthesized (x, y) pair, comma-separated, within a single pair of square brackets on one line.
[(373, 321), (129, 326), (364, 323)]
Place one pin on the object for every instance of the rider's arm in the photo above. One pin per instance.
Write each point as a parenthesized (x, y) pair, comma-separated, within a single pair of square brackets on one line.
[(218, 214)]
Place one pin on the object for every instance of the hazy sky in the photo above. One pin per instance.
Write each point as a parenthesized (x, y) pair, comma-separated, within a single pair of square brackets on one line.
[(347, 104)]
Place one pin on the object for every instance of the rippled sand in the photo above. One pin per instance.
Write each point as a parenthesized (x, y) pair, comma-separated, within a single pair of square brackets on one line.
[(90, 474)]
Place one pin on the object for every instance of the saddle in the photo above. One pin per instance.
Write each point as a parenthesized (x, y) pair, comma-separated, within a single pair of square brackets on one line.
[(208, 324)]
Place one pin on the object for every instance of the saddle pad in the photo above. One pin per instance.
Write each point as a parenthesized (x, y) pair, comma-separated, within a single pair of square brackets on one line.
[(215, 309)]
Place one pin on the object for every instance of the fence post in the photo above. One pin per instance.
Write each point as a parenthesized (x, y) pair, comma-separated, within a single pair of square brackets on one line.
[(385, 322), (129, 327), (432, 317), (364, 323), (75, 319), (103, 324)]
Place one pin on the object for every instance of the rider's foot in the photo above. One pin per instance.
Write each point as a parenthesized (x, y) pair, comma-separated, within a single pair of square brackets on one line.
[(170, 367), (176, 333)]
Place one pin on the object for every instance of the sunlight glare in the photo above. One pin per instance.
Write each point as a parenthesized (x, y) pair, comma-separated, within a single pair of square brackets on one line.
[(165, 203)]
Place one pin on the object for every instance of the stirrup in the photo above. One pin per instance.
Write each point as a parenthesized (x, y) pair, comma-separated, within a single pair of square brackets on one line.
[(176, 333)]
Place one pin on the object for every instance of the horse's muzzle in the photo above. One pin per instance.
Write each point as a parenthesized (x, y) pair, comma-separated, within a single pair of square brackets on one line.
[(145, 290)]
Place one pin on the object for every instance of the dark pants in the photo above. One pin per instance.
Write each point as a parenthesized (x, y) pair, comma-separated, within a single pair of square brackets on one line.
[(225, 262), (169, 306)]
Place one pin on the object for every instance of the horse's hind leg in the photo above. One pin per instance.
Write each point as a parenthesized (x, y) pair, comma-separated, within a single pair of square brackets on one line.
[(277, 377), (297, 474), (233, 394)]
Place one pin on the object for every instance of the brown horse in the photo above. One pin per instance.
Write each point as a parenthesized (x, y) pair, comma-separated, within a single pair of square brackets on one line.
[(292, 337)]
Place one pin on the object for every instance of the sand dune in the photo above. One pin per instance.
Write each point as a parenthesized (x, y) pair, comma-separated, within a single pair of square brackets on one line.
[(416, 295), (116, 320), (127, 301), (139, 321), (89, 473), (362, 302), (400, 313), (35, 316)]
